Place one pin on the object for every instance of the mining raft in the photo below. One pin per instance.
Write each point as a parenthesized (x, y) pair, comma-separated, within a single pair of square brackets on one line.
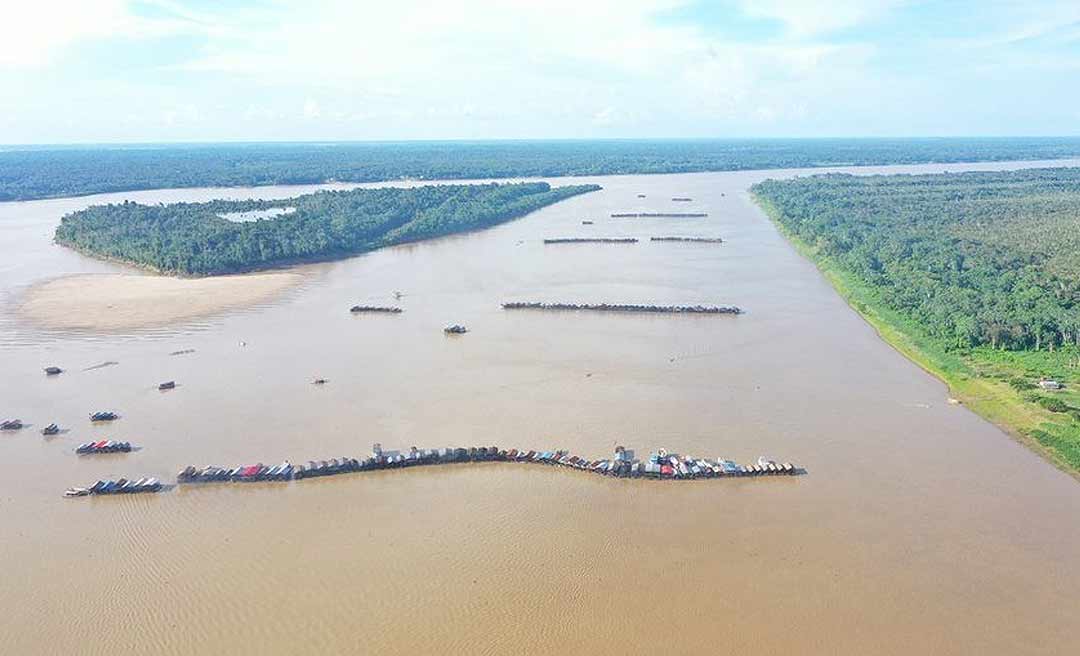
[(119, 486), (660, 465), (103, 446)]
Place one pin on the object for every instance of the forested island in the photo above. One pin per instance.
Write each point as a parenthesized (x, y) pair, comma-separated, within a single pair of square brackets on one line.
[(43, 171), (194, 239), (976, 276)]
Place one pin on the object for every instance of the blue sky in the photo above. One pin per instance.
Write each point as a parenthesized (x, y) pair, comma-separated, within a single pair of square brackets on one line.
[(165, 70)]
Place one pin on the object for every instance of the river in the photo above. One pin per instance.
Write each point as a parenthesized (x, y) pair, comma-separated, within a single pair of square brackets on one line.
[(919, 527)]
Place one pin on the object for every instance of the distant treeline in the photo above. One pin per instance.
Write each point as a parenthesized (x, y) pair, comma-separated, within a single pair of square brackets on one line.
[(192, 239), (972, 258), (42, 172)]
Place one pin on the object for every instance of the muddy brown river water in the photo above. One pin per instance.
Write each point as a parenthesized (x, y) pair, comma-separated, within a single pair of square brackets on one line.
[(919, 528)]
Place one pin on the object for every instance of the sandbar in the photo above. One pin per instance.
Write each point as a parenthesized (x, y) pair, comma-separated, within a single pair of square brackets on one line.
[(123, 301)]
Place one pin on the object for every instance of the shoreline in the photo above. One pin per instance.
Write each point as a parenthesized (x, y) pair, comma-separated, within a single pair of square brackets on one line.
[(122, 301), (991, 400)]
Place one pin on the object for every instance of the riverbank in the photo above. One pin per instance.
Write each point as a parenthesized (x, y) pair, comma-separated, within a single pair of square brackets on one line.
[(125, 301), (973, 380)]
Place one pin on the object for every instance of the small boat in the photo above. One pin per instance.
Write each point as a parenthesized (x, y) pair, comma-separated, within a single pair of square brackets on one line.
[(53, 371), (319, 381), (586, 223), (76, 492), (167, 385), (455, 329), (641, 195), (12, 424), (51, 429)]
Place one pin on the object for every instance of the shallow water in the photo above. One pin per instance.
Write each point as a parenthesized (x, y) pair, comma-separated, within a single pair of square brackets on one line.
[(919, 528)]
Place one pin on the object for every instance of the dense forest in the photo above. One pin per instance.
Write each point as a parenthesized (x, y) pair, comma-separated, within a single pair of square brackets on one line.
[(194, 239), (975, 258), (41, 172), (975, 276)]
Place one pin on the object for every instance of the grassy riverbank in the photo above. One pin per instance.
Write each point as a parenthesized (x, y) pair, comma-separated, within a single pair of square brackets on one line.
[(998, 385)]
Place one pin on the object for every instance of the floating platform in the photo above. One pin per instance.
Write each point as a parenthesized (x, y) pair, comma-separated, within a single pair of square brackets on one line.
[(660, 465), (624, 307), (591, 240)]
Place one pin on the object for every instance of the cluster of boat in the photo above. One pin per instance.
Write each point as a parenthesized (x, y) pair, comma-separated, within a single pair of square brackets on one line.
[(357, 309), (591, 240), (659, 215), (12, 424), (104, 446), (104, 416), (246, 473), (455, 329), (704, 240), (660, 465), (119, 486), (624, 307)]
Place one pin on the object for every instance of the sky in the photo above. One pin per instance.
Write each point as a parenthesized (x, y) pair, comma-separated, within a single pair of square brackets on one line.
[(85, 71)]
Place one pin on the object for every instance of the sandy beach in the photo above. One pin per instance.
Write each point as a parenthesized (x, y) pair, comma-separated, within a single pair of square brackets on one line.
[(124, 301)]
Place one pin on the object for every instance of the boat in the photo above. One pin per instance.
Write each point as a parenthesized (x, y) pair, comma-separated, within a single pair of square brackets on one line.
[(586, 223), (12, 424), (53, 371), (76, 492), (51, 429), (167, 385), (106, 415), (319, 381), (455, 329)]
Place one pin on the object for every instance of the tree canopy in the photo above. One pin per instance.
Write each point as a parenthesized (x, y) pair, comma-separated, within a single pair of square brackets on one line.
[(41, 172), (194, 239), (982, 258)]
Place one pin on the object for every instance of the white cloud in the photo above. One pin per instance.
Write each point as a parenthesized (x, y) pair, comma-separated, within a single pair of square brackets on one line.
[(33, 32), (808, 18)]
